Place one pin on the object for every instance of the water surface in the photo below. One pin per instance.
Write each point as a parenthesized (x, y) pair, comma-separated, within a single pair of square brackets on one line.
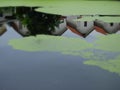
[(23, 70)]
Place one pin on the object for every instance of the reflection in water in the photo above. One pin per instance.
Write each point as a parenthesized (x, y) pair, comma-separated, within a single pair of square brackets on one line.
[(26, 21), (50, 70), (2, 29), (36, 22)]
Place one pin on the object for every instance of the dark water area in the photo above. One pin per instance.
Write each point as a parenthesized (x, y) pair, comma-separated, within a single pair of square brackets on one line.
[(45, 70), (20, 70)]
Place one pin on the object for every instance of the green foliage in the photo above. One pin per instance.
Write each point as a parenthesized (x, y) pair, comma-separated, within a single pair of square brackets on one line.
[(36, 22)]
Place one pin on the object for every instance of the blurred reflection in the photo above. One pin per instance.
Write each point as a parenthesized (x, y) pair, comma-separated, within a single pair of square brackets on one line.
[(26, 21)]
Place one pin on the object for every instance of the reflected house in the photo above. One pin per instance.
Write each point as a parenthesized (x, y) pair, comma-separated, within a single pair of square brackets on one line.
[(82, 28), (2, 29), (109, 28), (23, 30), (71, 25), (36, 23), (60, 29), (18, 27), (85, 27), (63, 28), (2, 22), (41, 21), (7, 17), (98, 27)]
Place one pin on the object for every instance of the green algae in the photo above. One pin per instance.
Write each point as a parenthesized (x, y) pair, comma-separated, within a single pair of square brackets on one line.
[(38, 3), (105, 58), (109, 65), (69, 7), (108, 43), (111, 44), (109, 19), (105, 19), (81, 53), (83, 8), (50, 43)]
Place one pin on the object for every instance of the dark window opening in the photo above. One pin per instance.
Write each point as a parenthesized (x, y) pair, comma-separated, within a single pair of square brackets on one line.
[(111, 24), (85, 24)]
